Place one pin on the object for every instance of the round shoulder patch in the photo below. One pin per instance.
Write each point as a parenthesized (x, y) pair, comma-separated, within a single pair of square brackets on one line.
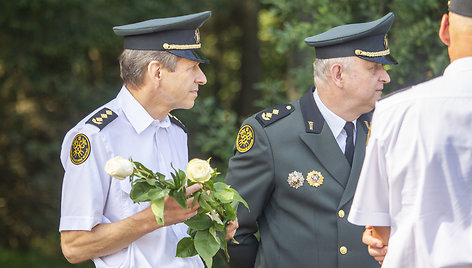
[(80, 149), (245, 139)]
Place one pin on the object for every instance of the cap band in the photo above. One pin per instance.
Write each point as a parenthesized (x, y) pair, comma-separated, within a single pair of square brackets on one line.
[(461, 7), (165, 40)]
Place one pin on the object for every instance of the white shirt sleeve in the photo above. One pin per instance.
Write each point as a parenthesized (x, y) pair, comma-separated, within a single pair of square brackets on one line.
[(85, 185), (371, 201)]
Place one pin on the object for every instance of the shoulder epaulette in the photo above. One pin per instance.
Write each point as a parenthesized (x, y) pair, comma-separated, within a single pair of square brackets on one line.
[(274, 114), (102, 118), (176, 121), (394, 92)]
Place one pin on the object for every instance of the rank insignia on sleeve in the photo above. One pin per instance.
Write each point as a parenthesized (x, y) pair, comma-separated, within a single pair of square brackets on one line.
[(80, 149), (245, 139), (295, 179), (102, 118), (314, 178)]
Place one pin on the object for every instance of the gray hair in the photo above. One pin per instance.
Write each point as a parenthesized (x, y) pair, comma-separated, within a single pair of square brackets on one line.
[(133, 64), (321, 68)]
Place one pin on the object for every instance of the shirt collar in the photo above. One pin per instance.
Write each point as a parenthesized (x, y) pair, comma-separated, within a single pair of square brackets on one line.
[(138, 117), (335, 123), (462, 64)]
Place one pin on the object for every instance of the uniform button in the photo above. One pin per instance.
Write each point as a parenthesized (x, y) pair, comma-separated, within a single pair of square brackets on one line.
[(343, 250), (341, 213)]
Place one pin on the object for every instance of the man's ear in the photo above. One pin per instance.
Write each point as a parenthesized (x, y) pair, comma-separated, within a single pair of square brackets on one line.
[(336, 71), (154, 70), (444, 30)]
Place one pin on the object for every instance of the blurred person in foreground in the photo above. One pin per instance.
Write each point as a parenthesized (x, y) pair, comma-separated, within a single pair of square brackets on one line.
[(297, 164), (415, 188), (99, 221)]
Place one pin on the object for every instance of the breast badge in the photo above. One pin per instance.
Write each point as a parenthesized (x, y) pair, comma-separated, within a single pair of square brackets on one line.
[(295, 179), (314, 178), (80, 149), (245, 139)]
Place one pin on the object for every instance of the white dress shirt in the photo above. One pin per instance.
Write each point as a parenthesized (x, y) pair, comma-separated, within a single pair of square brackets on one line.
[(91, 197), (335, 123), (417, 173)]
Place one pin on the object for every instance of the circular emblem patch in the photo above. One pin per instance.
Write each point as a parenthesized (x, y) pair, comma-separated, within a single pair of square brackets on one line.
[(245, 139), (80, 149)]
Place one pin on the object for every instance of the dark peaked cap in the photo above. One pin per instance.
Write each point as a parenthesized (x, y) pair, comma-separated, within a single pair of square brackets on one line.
[(367, 41), (177, 35), (461, 7)]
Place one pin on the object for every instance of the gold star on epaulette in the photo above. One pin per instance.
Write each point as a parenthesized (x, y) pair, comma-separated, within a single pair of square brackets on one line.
[(271, 115), (102, 118)]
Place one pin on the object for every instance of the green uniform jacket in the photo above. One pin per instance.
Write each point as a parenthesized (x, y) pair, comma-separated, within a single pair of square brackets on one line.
[(299, 227)]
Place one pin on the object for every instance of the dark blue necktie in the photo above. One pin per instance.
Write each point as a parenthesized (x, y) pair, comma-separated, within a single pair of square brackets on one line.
[(349, 152)]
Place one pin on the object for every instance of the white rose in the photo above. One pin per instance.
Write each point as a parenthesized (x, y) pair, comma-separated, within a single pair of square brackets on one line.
[(119, 168), (199, 170)]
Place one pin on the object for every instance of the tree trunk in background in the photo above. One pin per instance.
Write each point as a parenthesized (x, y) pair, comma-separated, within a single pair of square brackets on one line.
[(299, 59), (251, 61)]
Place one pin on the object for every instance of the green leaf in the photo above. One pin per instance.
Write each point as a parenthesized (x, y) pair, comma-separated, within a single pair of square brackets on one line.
[(157, 193), (195, 196), (199, 222), (157, 207), (209, 198), (224, 244), (182, 177), (219, 227), (186, 248), (204, 204), (144, 171), (180, 197), (169, 184), (230, 213), (207, 245), (238, 198), (223, 192), (221, 186), (224, 195), (215, 217), (139, 192)]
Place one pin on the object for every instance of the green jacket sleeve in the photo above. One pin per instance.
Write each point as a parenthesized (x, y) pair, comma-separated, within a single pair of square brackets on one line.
[(251, 173)]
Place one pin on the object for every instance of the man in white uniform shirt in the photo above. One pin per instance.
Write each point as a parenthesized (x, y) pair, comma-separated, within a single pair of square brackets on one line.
[(99, 221), (415, 187)]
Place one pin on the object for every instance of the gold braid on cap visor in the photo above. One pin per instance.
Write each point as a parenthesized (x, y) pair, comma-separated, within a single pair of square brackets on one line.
[(168, 46), (359, 52)]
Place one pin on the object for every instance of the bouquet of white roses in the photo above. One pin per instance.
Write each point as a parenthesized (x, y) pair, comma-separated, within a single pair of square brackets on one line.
[(218, 202)]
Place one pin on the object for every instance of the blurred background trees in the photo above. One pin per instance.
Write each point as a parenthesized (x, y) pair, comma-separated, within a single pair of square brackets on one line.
[(58, 61)]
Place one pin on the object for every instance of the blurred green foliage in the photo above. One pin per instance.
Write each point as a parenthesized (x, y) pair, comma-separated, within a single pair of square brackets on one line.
[(58, 61)]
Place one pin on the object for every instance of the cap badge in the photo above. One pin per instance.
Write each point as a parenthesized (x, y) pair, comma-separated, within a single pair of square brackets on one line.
[(197, 36), (385, 41), (80, 149), (314, 178), (245, 139), (295, 179)]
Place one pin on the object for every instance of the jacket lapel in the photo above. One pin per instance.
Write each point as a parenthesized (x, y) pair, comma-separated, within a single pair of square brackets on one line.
[(320, 140), (362, 126)]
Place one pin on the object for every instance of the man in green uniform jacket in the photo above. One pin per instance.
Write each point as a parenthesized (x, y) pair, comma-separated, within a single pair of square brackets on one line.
[(297, 164)]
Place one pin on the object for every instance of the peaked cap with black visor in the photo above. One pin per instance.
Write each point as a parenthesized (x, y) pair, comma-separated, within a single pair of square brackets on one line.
[(367, 41), (177, 35)]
